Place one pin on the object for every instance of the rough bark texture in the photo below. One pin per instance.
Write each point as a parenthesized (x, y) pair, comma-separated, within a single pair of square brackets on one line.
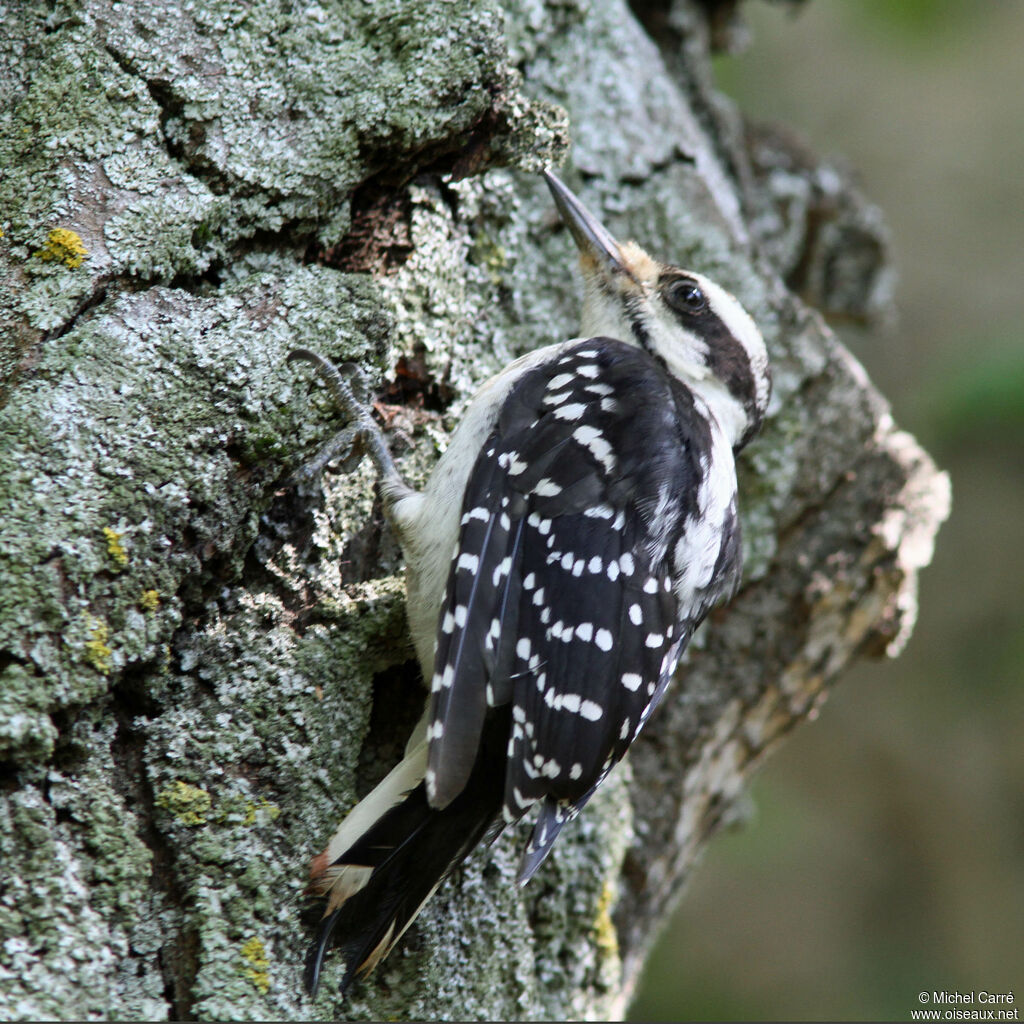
[(201, 665)]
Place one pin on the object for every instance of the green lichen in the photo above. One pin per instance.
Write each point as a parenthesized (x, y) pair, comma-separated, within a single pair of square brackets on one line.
[(188, 804), (76, 878), (115, 549), (137, 407), (26, 730), (64, 246), (73, 104)]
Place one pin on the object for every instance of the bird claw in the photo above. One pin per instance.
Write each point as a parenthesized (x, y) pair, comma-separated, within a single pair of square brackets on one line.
[(358, 382), (347, 384), (350, 389), (346, 448)]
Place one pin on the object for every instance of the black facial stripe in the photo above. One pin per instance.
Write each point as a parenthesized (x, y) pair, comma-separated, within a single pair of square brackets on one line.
[(729, 362), (727, 358)]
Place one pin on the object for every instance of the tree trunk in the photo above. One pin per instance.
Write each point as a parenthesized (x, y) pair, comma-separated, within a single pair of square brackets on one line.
[(203, 665)]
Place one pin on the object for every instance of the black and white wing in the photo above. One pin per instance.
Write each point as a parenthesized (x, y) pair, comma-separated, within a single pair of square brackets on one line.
[(562, 605)]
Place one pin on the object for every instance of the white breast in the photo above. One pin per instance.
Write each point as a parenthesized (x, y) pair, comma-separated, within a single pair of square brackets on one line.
[(698, 549)]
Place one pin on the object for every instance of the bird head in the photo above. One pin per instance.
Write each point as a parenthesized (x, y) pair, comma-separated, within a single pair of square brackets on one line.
[(694, 327)]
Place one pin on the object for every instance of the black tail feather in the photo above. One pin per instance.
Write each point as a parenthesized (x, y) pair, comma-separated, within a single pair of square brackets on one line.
[(317, 951), (412, 849)]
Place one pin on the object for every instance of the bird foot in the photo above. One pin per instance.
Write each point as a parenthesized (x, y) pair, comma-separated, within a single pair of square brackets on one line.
[(361, 436)]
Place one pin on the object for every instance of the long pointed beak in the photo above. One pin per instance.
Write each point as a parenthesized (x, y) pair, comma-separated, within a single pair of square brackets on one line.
[(592, 238)]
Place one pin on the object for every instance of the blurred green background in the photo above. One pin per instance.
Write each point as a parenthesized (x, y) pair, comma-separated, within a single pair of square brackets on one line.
[(886, 853)]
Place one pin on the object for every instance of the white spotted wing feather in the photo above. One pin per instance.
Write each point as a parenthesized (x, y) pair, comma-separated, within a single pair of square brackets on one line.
[(564, 609)]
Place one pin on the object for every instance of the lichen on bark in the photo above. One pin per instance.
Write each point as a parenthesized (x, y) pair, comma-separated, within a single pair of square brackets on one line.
[(203, 663)]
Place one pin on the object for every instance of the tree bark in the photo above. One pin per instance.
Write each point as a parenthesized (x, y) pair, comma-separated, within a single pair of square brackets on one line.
[(203, 665)]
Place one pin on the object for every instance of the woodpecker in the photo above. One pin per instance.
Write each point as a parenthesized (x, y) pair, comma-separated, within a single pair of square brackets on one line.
[(578, 528)]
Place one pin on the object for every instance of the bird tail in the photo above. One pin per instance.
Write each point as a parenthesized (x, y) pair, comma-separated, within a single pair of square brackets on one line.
[(387, 859)]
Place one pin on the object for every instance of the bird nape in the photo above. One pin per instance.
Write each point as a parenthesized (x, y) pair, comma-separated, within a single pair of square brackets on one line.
[(576, 531)]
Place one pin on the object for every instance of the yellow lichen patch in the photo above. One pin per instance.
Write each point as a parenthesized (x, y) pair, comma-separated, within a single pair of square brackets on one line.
[(97, 653), (115, 548), (255, 953), (604, 928), (150, 600), (491, 256), (65, 246), (189, 804), (263, 812)]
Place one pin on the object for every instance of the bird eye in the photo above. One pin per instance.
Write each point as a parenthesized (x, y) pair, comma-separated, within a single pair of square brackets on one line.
[(686, 297)]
